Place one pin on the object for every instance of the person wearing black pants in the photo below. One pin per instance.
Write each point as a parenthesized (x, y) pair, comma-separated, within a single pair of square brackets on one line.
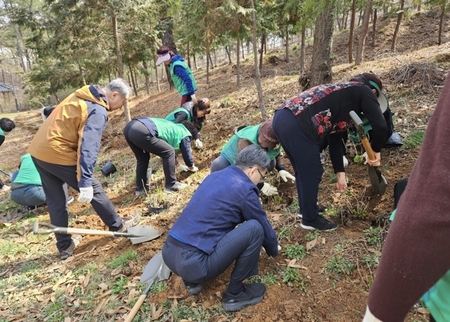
[(303, 121), (162, 138), (224, 223)]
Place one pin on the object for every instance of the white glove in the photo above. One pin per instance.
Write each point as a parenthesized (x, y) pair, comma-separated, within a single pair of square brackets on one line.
[(345, 162), (365, 157), (269, 190), (86, 194), (193, 169), (286, 175), (193, 98), (183, 168), (198, 144)]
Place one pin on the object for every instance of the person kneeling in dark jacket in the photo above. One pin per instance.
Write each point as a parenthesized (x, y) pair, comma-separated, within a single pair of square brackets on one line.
[(224, 222)]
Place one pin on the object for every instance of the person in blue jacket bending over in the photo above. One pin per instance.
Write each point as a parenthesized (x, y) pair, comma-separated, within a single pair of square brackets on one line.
[(224, 222)]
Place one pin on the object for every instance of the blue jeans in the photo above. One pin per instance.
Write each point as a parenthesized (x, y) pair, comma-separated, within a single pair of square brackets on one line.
[(28, 195)]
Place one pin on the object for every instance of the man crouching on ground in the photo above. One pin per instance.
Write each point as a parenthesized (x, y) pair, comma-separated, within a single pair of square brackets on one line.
[(65, 150), (224, 222)]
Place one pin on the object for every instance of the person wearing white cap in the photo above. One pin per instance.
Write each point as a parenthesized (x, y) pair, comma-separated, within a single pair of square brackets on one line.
[(303, 120), (181, 74)]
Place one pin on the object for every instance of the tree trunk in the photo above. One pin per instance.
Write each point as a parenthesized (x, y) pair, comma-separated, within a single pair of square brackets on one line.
[(132, 80), (261, 52), (287, 45), (257, 74), (397, 26), (207, 65), (126, 110), (321, 58), (188, 56), (441, 22), (362, 36), (228, 54), (147, 80), (374, 26), (351, 32), (303, 50), (238, 56), (156, 76)]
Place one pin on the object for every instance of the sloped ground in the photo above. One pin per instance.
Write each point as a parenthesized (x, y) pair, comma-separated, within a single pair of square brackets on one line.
[(329, 284)]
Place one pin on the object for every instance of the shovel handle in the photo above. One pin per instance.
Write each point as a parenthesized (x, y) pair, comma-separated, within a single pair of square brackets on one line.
[(136, 308), (68, 231), (366, 144)]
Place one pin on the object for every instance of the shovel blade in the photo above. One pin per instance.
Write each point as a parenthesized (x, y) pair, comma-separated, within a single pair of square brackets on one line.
[(155, 270), (377, 180), (143, 234)]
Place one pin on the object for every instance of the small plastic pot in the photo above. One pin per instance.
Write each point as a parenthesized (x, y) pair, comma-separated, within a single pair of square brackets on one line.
[(108, 169)]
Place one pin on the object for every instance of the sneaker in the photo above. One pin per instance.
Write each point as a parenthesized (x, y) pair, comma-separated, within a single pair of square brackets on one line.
[(130, 221), (193, 288), (176, 187), (320, 209), (320, 223), (64, 254), (70, 199), (252, 294)]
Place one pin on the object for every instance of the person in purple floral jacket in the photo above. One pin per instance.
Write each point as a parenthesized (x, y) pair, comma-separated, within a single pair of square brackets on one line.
[(303, 121)]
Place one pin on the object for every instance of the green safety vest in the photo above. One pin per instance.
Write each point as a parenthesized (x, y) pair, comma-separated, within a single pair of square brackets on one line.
[(178, 81), (28, 174), (172, 133), (171, 117), (230, 150)]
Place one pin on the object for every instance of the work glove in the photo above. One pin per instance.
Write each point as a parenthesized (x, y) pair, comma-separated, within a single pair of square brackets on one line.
[(183, 168), (86, 194), (198, 144), (286, 175), (345, 161), (194, 98), (365, 157), (269, 190), (193, 168)]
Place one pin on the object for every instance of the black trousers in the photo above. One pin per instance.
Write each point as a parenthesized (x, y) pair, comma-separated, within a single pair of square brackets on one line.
[(242, 245), (54, 177), (142, 143)]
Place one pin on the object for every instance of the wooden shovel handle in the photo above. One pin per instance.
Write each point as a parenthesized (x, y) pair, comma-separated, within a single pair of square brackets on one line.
[(366, 144), (135, 308)]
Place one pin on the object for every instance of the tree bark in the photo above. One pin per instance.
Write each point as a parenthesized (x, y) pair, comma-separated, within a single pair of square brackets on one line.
[(257, 74), (133, 81), (303, 50), (261, 53), (321, 58), (228, 54), (287, 45), (374, 26), (441, 22), (351, 32), (362, 36), (146, 73), (397, 26), (238, 56)]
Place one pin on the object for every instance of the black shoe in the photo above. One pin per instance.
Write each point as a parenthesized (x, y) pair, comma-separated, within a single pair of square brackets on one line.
[(320, 223), (252, 294), (320, 209), (193, 288)]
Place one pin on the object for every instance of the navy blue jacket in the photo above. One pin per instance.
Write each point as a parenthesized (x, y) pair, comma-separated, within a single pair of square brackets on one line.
[(223, 200)]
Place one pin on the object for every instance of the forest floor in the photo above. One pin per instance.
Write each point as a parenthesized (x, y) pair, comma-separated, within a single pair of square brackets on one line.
[(316, 277)]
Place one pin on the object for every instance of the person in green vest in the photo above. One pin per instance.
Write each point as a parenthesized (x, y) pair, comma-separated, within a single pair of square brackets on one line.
[(163, 138), (26, 186), (181, 74), (261, 134), (6, 126), (191, 112)]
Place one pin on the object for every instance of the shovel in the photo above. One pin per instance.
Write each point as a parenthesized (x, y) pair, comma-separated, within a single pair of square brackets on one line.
[(5, 173), (377, 180), (136, 234), (155, 271)]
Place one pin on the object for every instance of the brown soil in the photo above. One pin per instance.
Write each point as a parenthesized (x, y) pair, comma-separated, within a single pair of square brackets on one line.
[(327, 297)]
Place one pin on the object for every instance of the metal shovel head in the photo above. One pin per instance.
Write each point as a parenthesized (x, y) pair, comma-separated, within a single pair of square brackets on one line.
[(155, 270), (142, 234), (377, 180)]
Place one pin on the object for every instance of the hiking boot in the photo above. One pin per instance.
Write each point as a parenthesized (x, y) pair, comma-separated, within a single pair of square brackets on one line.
[(252, 294), (176, 187), (320, 223), (193, 288), (130, 221), (320, 209), (64, 254)]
